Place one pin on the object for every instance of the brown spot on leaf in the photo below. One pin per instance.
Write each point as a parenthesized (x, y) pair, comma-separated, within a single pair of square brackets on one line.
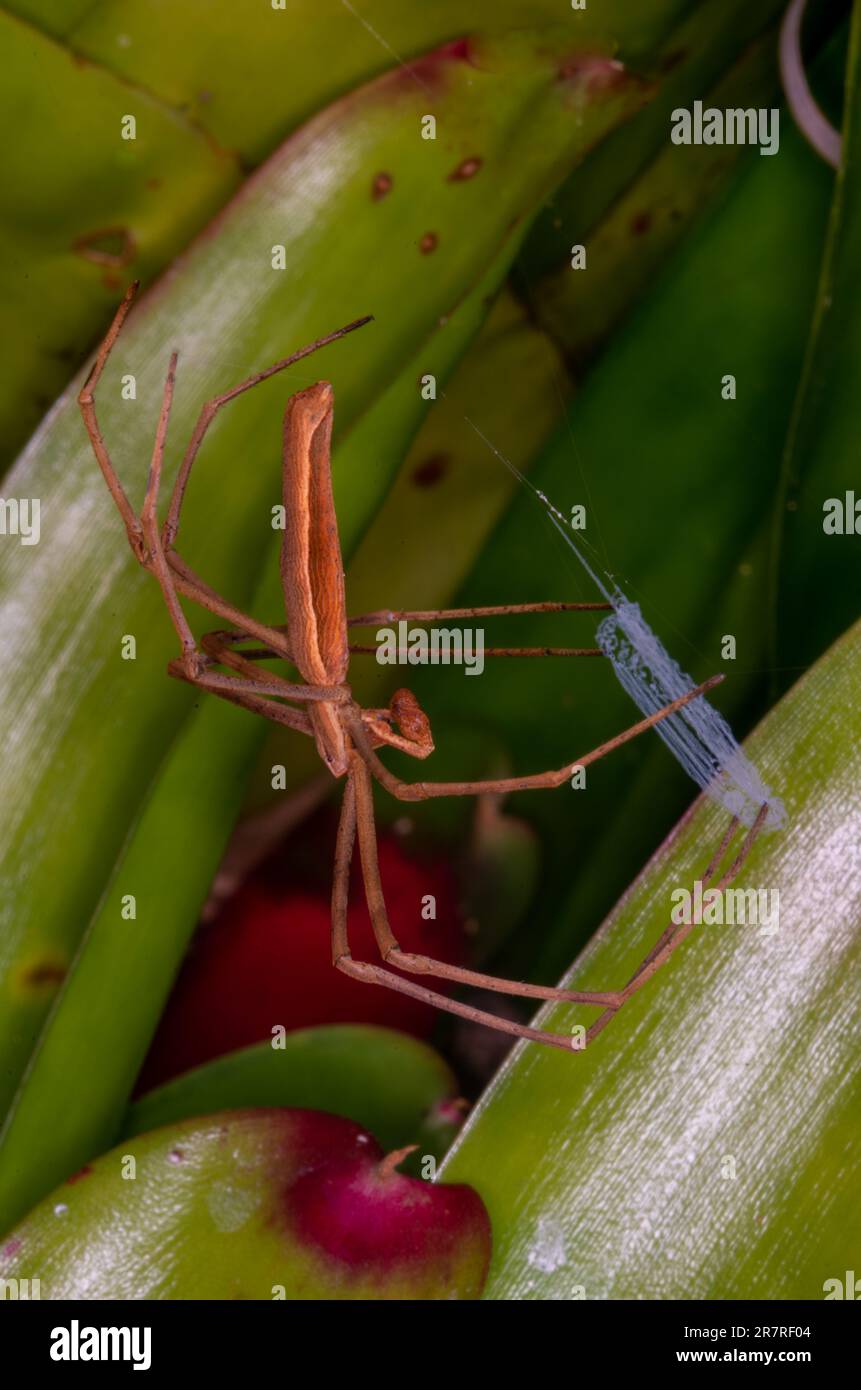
[(381, 185), (112, 246), (431, 471), (44, 972), (673, 59), (641, 223), (428, 243), (80, 1175), (467, 169)]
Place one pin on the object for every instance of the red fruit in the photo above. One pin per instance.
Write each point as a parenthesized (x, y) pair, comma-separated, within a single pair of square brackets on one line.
[(266, 961), (362, 1216)]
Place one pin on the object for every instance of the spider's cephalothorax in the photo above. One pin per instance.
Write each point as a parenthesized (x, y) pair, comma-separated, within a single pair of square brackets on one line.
[(316, 642)]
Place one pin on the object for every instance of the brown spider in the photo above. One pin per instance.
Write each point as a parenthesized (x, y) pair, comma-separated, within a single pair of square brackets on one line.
[(315, 641)]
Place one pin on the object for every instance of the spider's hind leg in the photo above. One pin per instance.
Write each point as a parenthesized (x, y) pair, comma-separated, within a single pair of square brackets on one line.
[(389, 947), (375, 974)]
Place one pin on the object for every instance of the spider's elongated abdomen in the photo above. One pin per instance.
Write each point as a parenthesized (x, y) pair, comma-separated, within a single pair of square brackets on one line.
[(312, 571)]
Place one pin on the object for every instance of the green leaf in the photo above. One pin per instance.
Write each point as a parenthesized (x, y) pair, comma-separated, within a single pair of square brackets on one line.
[(718, 38), (647, 223), (81, 217), (214, 90), (706, 1144), (389, 1083), (190, 52), (814, 571), (115, 734)]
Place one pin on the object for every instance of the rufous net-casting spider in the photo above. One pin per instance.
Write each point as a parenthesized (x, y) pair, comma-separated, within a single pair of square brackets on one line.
[(315, 641)]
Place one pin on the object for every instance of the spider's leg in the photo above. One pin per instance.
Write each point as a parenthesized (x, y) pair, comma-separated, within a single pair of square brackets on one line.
[(674, 935), (375, 974), (191, 586), (152, 557), (384, 616), (229, 638), (241, 693), (424, 965), (266, 682), (211, 409), (86, 401), (359, 650), (421, 791), (192, 660)]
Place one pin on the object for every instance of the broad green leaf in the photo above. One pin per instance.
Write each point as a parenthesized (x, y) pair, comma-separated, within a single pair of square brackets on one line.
[(649, 221), (115, 734), (815, 570), (83, 211), (389, 1083), (188, 53), (214, 90), (706, 1144), (717, 38)]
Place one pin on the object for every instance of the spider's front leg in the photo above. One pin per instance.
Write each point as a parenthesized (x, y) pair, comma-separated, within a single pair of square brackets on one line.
[(142, 533), (155, 553), (87, 403)]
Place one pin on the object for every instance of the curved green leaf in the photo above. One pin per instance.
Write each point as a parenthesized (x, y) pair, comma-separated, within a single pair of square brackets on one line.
[(705, 1145), (214, 90), (649, 221), (83, 211), (814, 569), (716, 39), (389, 1083)]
